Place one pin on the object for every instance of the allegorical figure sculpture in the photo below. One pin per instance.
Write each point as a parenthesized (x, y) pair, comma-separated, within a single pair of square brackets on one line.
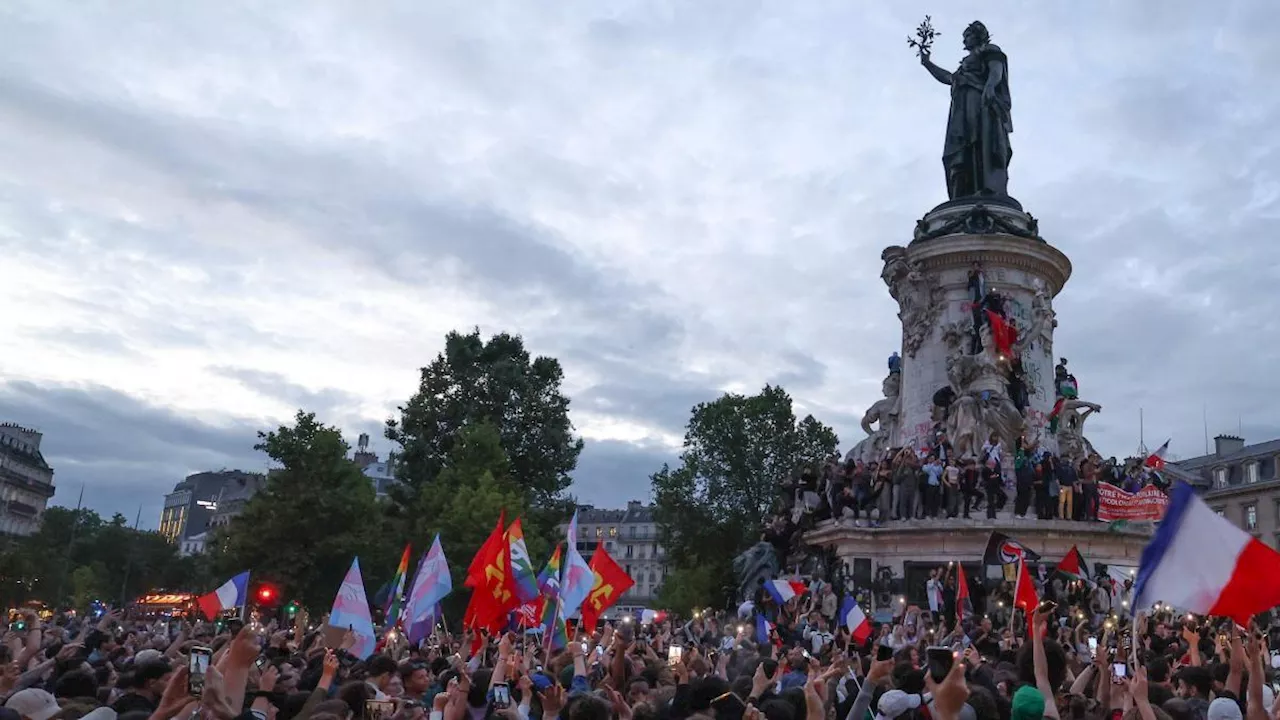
[(976, 153)]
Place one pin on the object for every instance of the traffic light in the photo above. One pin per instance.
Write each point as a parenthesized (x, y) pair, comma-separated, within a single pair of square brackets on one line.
[(292, 608), (267, 595)]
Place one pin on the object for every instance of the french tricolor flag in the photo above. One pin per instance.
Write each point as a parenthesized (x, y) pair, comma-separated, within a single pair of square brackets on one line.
[(856, 620), (784, 590), (232, 594), (1201, 563)]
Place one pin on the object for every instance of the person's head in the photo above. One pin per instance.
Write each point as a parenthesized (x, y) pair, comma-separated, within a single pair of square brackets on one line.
[(151, 677), (1224, 709), (638, 691), (1055, 657), (1028, 704), (381, 669), (1193, 682), (1158, 671), (76, 684), (896, 703), (33, 704), (416, 679)]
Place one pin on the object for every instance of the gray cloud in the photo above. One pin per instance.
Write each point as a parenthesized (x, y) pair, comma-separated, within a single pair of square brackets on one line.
[(670, 202)]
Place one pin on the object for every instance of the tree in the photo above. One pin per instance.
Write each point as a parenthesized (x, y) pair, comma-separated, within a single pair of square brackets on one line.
[(736, 450), (495, 382), (316, 512), (464, 503)]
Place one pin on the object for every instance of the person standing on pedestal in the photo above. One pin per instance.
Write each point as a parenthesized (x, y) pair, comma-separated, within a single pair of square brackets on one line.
[(976, 152)]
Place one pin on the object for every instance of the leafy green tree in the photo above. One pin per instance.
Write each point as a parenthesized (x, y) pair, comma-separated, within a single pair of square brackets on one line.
[(314, 515), (736, 450), (84, 586), (495, 382), (465, 501)]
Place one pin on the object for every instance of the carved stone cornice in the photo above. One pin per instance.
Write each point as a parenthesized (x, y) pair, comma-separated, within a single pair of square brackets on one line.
[(997, 250)]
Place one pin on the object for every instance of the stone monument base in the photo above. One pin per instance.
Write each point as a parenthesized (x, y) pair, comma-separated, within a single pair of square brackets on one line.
[(911, 548)]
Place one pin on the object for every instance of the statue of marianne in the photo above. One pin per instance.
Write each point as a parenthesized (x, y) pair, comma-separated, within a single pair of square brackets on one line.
[(976, 153)]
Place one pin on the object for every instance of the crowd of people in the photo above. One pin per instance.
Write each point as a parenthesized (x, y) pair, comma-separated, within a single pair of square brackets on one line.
[(909, 484), (952, 663)]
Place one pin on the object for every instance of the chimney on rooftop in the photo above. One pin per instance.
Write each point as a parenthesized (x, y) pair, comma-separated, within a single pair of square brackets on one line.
[(1226, 444)]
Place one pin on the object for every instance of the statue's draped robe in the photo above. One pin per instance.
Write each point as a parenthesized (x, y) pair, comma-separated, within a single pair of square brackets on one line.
[(977, 152)]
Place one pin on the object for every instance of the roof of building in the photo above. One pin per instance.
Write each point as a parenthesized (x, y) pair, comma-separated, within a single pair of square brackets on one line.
[(1248, 452), (634, 513)]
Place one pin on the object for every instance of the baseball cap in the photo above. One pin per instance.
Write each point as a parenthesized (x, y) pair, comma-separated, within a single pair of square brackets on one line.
[(1222, 709), (1028, 704), (34, 703), (896, 702)]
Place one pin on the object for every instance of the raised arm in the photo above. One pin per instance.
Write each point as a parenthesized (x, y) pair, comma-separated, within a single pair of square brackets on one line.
[(938, 73)]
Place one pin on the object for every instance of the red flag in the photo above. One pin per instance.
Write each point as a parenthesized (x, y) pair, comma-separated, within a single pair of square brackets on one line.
[(1002, 333), (1024, 596), (475, 571), (611, 582), (1073, 565), (493, 588), (1155, 460), (963, 601)]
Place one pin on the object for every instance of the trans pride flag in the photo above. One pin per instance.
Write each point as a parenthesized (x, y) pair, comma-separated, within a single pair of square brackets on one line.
[(578, 579), (430, 585), (351, 611)]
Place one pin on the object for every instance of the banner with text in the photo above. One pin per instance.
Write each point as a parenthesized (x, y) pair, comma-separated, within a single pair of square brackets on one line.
[(1149, 503)]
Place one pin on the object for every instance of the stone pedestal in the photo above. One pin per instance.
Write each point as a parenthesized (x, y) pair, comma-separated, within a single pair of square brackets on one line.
[(950, 377), (910, 548)]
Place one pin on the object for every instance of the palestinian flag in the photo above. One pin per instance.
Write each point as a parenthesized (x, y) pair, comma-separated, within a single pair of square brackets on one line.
[(1074, 566)]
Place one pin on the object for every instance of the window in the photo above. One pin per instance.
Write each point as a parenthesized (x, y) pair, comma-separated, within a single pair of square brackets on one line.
[(1251, 472), (641, 552), (1220, 477), (613, 532), (1221, 512), (627, 568), (630, 548), (653, 578), (633, 531), (599, 532), (1251, 517)]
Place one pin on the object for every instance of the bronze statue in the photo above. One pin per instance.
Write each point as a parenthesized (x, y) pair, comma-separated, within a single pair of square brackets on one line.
[(976, 152)]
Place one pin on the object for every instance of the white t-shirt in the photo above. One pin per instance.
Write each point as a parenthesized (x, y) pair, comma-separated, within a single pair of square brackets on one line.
[(933, 588)]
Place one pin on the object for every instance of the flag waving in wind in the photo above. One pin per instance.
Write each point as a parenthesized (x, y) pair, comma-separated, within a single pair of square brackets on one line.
[(395, 599), (855, 620), (1025, 597), (1155, 460), (577, 581), (609, 583), (231, 594), (524, 578), (430, 585), (964, 603), (351, 612), (1073, 565)]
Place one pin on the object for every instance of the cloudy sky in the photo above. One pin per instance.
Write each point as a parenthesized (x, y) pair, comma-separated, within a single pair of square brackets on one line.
[(213, 213)]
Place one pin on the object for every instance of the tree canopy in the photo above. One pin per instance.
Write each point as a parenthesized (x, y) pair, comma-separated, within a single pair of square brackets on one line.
[(75, 557), (737, 449), (315, 513), (496, 382)]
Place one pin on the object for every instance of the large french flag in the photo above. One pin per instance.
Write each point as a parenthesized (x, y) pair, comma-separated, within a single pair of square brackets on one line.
[(784, 590), (231, 594), (1201, 563)]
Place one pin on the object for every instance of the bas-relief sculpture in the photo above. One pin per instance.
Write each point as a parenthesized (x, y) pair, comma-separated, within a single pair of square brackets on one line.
[(981, 405), (919, 297), (1043, 321)]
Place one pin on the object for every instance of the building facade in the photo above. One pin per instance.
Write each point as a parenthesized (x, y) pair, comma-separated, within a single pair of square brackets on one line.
[(205, 501), (631, 538), (26, 480), (1241, 483), (381, 473)]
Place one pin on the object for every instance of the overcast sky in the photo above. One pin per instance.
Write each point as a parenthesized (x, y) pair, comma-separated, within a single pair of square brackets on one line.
[(213, 213)]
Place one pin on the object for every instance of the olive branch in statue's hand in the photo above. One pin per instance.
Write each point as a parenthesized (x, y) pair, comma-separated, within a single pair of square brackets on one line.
[(925, 34)]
